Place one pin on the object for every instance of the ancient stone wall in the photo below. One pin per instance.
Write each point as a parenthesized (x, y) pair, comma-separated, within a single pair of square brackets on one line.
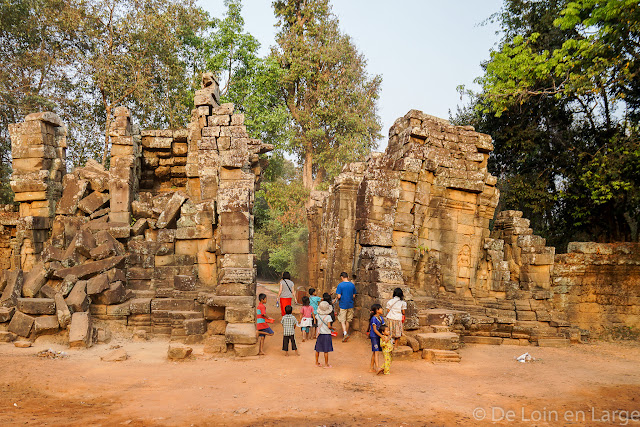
[(597, 286), (160, 243), (421, 221)]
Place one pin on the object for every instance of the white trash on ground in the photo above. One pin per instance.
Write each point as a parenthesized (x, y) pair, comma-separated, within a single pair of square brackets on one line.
[(526, 357)]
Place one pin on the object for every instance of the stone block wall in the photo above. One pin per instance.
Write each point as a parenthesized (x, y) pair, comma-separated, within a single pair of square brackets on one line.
[(160, 243), (597, 286), (421, 216)]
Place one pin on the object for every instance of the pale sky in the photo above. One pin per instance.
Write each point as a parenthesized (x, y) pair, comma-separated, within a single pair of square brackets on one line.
[(423, 49)]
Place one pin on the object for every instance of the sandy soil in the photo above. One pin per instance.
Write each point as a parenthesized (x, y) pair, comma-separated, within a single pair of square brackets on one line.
[(587, 381)]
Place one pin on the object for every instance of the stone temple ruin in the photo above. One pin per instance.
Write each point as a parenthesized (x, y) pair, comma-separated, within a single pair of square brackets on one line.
[(418, 217), (161, 243)]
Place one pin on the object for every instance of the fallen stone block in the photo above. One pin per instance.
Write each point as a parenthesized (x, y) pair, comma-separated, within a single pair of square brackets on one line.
[(117, 355), (103, 251), (97, 176), (34, 280), (10, 336), (80, 330), (97, 284), (13, 289), (62, 311), (93, 202), (6, 313), (67, 285), (139, 227), (438, 341), (171, 210), (36, 305), (91, 268), (178, 351), (21, 324), (216, 344), (45, 325), (246, 350), (78, 299), (241, 333), (73, 191)]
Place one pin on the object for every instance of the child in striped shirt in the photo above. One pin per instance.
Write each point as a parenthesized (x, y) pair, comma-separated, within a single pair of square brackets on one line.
[(289, 323)]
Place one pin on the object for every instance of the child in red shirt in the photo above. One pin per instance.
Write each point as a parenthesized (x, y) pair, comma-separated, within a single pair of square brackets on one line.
[(261, 322)]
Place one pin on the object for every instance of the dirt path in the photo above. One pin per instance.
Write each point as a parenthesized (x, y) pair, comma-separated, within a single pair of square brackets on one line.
[(148, 390)]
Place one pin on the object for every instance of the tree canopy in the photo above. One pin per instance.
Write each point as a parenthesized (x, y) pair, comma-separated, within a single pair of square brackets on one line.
[(559, 96), (328, 93)]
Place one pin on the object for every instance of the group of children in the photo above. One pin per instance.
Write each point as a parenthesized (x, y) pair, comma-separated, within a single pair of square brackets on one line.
[(317, 314)]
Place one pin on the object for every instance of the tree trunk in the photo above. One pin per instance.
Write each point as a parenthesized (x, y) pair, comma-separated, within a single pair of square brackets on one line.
[(307, 169), (106, 137)]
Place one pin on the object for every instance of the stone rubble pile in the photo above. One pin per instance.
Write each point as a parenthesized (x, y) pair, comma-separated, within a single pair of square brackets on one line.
[(159, 244)]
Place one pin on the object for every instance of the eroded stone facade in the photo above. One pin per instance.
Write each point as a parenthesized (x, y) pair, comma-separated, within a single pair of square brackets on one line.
[(418, 217), (159, 243)]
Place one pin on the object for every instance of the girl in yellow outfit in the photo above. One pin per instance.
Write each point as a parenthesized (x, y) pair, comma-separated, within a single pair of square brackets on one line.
[(387, 348)]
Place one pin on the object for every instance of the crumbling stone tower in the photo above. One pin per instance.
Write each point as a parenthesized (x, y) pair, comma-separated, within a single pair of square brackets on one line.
[(161, 243)]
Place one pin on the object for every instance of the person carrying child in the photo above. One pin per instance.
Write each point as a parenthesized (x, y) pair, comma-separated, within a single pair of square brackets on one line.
[(307, 318), (387, 348), (289, 323), (261, 322), (375, 322), (323, 342)]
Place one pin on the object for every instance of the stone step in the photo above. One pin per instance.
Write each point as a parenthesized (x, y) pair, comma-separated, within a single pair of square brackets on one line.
[(553, 342), (481, 340), (433, 355), (441, 328), (402, 352), (439, 316), (438, 341)]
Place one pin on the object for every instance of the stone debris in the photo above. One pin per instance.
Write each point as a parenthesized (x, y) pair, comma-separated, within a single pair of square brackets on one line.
[(152, 244), (161, 243), (117, 355), (52, 354), (178, 351)]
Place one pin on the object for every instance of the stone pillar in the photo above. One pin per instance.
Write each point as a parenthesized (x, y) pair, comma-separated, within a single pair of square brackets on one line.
[(125, 167), (38, 149)]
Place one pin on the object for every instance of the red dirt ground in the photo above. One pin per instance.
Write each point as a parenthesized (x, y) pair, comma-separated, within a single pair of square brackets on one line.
[(274, 390)]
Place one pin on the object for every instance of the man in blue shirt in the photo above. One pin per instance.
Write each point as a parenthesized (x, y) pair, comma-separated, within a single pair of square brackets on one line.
[(346, 292)]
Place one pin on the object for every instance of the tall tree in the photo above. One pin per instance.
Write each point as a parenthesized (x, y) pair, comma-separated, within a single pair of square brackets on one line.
[(137, 57), (324, 83), (39, 41), (246, 79), (549, 96)]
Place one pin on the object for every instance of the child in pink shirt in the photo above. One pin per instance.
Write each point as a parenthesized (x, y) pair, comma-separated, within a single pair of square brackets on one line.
[(307, 318)]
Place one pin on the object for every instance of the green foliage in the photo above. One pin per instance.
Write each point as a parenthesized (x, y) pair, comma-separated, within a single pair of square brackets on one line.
[(137, 56), (247, 80), (80, 59), (281, 235), (324, 84), (549, 99)]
